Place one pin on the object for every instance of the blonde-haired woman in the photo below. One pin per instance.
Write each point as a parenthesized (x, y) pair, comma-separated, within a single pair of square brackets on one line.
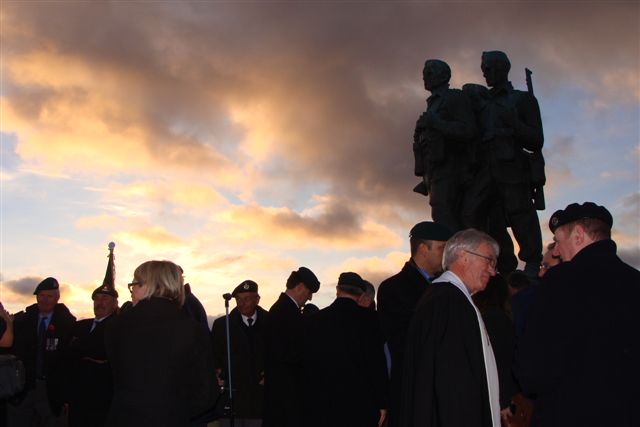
[(161, 360)]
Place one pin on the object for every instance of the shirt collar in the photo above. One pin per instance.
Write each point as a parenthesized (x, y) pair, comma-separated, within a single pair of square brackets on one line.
[(253, 316), (294, 301), (46, 316)]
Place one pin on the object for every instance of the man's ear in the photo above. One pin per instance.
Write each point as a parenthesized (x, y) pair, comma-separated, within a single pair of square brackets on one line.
[(578, 235)]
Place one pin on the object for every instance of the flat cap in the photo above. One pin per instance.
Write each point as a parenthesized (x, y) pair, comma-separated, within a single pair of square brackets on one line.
[(47, 284), (352, 279), (306, 276), (575, 211), (104, 290), (246, 286), (428, 230)]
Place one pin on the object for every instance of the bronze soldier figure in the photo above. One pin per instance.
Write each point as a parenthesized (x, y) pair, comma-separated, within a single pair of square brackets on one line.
[(441, 144), (505, 191)]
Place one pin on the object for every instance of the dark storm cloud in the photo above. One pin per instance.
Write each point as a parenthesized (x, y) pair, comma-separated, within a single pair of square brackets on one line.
[(24, 285), (344, 79)]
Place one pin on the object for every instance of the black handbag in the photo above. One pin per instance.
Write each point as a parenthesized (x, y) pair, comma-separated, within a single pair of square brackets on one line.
[(12, 376)]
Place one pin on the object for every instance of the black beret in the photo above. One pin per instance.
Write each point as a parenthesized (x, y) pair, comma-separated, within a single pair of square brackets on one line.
[(574, 212), (307, 277), (352, 279), (428, 230), (47, 284), (105, 290), (246, 286)]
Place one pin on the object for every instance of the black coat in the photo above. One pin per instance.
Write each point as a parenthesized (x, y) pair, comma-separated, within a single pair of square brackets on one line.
[(580, 349), (90, 385), (345, 381), (247, 360), (59, 331), (445, 380), (162, 366), (283, 365), (397, 299), (503, 343)]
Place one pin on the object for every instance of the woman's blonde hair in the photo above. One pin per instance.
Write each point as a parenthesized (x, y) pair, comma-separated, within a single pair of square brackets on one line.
[(163, 279)]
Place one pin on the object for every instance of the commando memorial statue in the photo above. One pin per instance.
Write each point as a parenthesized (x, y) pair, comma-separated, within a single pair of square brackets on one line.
[(479, 153)]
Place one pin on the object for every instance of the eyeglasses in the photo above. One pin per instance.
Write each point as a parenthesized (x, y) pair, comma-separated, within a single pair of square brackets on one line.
[(132, 284), (490, 260)]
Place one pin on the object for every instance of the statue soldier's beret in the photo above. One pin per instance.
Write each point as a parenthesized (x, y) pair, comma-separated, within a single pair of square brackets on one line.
[(428, 230), (306, 276), (574, 212), (104, 290), (47, 284), (352, 279), (246, 286)]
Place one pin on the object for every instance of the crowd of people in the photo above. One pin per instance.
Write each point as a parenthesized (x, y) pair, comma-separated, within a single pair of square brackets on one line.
[(451, 342)]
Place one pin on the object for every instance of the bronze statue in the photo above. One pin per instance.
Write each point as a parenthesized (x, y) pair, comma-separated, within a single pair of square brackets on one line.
[(507, 185), (441, 145)]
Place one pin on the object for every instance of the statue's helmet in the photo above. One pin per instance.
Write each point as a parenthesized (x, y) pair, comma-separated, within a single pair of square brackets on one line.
[(497, 58), (435, 73)]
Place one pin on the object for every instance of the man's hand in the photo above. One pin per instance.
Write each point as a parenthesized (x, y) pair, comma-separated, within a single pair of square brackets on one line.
[(219, 378)]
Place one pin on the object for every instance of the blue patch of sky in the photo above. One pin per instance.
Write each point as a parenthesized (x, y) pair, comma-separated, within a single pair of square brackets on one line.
[(602, 140), (9, 159)]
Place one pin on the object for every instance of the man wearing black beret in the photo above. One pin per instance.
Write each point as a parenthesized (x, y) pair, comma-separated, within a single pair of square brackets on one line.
[(345, 381), (284, 340), (580, 349), (399, 294), (90, 385), (247, 326), (42, 333)]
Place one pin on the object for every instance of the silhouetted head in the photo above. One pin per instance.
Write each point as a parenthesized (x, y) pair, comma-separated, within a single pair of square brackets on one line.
[(495, 67), (435, 74)]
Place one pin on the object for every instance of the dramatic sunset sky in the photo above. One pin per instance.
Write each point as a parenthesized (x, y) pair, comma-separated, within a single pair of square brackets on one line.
[(244, 139)]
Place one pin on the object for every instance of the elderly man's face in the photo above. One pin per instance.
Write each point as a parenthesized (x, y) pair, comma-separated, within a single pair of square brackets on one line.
[(47, 300), (104, 305), (565, 242), (481, 266), (247, 302)]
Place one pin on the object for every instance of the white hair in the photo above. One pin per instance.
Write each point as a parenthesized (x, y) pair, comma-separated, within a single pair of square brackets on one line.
[(466, 240)]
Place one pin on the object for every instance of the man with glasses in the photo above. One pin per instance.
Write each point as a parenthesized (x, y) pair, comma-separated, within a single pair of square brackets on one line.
[(549, 259), (580, 349), (450, 374)]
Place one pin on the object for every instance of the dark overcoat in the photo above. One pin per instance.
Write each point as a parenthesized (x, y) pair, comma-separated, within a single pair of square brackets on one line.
[(397, 299), (283, 365), (58, 335), (90, 383), (247, 360), (162, 366), (580, 349), (445, 380), (345, 379)]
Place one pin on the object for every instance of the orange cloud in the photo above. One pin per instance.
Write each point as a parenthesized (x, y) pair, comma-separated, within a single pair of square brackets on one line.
[(335, 227), (150, 240)]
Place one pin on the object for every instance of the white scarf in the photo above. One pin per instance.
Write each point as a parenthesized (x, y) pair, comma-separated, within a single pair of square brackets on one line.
[(489, 359)]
